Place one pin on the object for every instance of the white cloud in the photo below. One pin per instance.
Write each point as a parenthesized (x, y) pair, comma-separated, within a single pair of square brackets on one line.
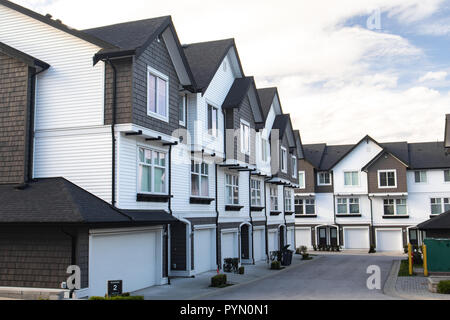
[(434, 76)]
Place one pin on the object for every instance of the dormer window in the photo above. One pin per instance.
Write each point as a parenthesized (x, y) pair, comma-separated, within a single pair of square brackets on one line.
[(213, 121), (182, 110), (245, 137), (324, 179), (157, 94), (387, 179), (420, 176), (283, 160), (294, 167)]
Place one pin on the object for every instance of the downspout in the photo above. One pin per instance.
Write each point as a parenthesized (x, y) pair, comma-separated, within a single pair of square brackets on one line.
[(73, 258), (372, 234), (250, 212), (113, 134), (266, 222), (217, 221)]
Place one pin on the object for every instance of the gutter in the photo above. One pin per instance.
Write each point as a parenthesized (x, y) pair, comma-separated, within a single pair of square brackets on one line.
[(217, 222), (250, 212), (372, 234), (266, 223)]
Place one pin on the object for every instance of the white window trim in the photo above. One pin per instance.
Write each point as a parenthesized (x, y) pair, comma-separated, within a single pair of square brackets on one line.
[(275, 197), (232, 186), (164, 77), (294, 170), (256, 189), (318, 179), (265, 142), (352, 185), (304, 179), (421, 182), (443, 171), (284, 163), (348, 206), (210, 133), (395, 208), (184, 99), (387, 171), (138, 187), (442, 205), (199, 175), (304, 207), (288, 199), (245, 123)]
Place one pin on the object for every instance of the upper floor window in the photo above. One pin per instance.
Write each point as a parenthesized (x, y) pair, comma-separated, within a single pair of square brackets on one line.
[(213, 121), (294, 167), (301, 180), (283, 160), (152, 171), (305, 206), (256, 192), (182, 110), (387, 178), (232, 189), (447, 175), (351, 178), (274, 198), (348, 206), (420, 176), (245, 137), (157, 94), (394, 207), (324, 179), (199, 179), (440, 205), (265, 149), (287, 200)]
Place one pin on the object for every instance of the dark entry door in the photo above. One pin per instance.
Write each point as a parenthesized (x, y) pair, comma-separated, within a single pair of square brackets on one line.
[(333, 238), (245, 246), (322, 236), (413, 237), (282, 243)]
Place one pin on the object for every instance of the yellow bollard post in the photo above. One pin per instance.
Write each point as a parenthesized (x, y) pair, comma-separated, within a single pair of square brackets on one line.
[(410, 259), (425, 265)]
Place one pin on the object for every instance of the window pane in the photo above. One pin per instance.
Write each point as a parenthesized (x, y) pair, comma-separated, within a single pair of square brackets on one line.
[(204, 186), (181, 113), (447, 175), (354, 208), (141, 155), (446, 204), (388, 209), (152, 93), (417, 176), (355, 181), (301, 179), (160, 179), (194, 185), (161, 97), (383, 182), (145, 178), (310, 209), (148, 157), (347, 178), (391, 179)]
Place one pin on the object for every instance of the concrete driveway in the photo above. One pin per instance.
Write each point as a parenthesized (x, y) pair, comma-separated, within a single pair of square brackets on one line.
[(331, 277)]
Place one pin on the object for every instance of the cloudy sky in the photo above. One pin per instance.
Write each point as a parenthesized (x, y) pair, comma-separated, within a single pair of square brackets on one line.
[(343, 68)]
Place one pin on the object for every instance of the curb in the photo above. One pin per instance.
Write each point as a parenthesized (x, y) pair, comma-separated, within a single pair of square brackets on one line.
[(253, 280)]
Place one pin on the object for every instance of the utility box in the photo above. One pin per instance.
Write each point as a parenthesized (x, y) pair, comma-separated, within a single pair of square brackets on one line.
[(438, 255)]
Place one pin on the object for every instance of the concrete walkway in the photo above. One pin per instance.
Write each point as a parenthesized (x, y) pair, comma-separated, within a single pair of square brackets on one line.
[(198, 287)]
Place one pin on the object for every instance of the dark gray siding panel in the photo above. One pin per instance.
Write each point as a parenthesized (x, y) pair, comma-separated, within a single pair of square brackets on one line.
[(157, 57)]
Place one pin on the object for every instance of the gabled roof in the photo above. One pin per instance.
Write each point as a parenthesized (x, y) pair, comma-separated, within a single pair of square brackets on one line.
[(428, 155), (440, 222), (283, 124), (332, 155), (266, 96), (57, 24), (313, 153), (57, 200), (298, 142), (22, 56), (447, 131), (205, 58)]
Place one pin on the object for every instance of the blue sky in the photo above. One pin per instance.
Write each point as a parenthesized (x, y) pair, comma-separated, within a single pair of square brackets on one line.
[(338, 79)]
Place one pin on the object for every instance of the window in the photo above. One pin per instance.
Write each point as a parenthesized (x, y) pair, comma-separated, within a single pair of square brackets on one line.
[(324, 178), (348, 206), (213, 121), (395, 207), (420, 176), (351, 178), (283, 159), (305, 206), (447, 175), (232, 189), (287, 200), (199, 179), (440, 205), (245, 137), (387, 178), (182, 110), (294, 167), (265, 150), (157, 94), (301, 179), (152, 171), (256, 192), (273, 199)]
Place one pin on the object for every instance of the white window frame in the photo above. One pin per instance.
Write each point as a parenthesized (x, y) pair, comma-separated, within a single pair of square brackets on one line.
[(357, 175), (446, 170), (283, 159), (395, 204), (152, 168), (199, 175), (287, 200), (255, 189), (294, 167), (274, 205), (318, 178), (387, 171), (155, 73), (242, 131), (184, 101), (420, 176), (234, 184), (443, 202), (213, 132), (303, 185), (348, 203), (304, 204), (265, 150)]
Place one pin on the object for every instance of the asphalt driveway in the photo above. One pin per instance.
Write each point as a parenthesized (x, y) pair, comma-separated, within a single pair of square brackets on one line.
[(337, 276)]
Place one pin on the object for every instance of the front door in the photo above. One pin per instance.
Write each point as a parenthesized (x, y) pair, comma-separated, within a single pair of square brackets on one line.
[(282, 233), (322, 236), (333, 237), (413, 237)]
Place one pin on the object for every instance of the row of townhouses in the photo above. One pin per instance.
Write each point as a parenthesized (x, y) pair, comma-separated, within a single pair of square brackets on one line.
[(133, 156)]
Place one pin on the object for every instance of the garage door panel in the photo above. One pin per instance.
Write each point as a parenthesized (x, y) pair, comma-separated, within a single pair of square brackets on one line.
[(273, 242), (229, 245), (259, 244), (389, 240), (203, 250), (356, 238), (303, 238)]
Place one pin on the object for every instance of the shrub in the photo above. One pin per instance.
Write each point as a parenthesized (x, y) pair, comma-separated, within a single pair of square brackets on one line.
[(241, 270), (219, 280), (305, 256), (444, 287), (276, 265)]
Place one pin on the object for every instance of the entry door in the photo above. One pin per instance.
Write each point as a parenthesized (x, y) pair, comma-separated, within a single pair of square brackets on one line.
[(334, 238), (413, 237), (322, 236)]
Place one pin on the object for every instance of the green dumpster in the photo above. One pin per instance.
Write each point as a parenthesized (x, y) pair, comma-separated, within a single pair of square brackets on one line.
[(438, 255)]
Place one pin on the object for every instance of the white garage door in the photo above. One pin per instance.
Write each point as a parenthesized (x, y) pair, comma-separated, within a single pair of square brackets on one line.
[(303, 237), (273, 243), (133, 258), (389, 240), (204, 248), (356, 238), (229, 245), (259, 245)]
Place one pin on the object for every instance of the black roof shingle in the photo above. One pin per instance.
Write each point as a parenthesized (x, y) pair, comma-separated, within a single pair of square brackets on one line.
[(237, 92), (440, 222), (266, 96)]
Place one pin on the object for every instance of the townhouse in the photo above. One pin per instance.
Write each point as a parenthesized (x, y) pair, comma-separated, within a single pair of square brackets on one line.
[(370, 193), (133, 156)]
